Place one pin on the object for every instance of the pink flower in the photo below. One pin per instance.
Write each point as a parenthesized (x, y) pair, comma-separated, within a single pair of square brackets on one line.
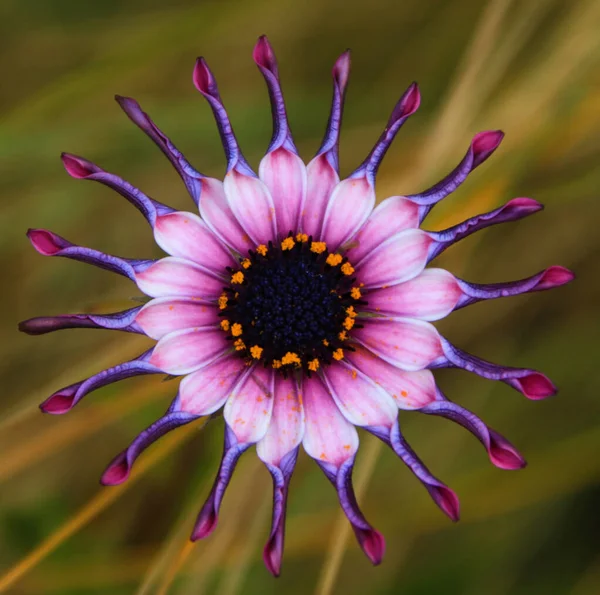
[(298, 307)]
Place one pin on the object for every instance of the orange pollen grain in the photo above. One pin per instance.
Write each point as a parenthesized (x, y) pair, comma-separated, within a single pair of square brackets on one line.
[(262, 249), (355, 293), (334, 259), (313, 365), (290, 358), (338, 354), (348, 323), (301, 237), (350, 311), (342, 336), (222, 302), (237, 277), (318, 247), (347, 269), (276, 364), (246, 263), (256, 351), (225, 325), (236, 329), (288, 244), (239, 345), (325, 342)]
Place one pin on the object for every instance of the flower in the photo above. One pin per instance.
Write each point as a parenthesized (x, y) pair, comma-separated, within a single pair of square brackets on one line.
[(297, 306)]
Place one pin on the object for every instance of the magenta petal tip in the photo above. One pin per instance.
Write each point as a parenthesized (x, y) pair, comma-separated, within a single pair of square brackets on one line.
[(447, 500), (45, 242), (77, 167), (272, 558), (555, 276), (523, 203), (373, 545), (409, 103), (58, 403), (535, 386), (503, 454), (204, 526), (341, 69), (263, 54), (203, 77), (117, 472)]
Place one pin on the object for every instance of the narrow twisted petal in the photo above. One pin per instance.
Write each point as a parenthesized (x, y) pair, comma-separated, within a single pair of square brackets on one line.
[(209, 514), (390, 217), (553, 276), (51, 244), (514, 209), (81, 168), (162, 316), (187, 350), (431, 295), (323, 170), (120, 467), (410, 390), (66, 398), (501, 452), (406, 343), (191, 178), (205, 82), (120, 321), (481, 147), (531, 383)]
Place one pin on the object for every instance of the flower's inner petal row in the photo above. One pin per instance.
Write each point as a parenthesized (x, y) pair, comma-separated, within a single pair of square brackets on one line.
[(353, 199), (394, 215), (531, 383), (323, 170), (176, 277), (118, 321), (119, 469), (403, 342), (410, 390), (396, 260), (185, 235), (553, 276), (431, 295), (66, 398), (187, 350), (205, 391), (191, 178), (209, 514), (501, 452), (80, 168), (51, 244), (515, 209), (482, 146), (162, 316)]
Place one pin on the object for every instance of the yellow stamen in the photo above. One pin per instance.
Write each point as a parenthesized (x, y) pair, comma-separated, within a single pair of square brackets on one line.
[(334, 259), (313, 365), (246, 263), (222, 301), (236, 329), (262, 249), (276, 364), (237, 277), (290, 358), (239, 345), (301, 237), (338, 354), (347, 269), (225, 325), (288, 244), (256, 351), (318, 247), (348, 323), (350, 311), (325, 342), (355, 293), (343, 336)]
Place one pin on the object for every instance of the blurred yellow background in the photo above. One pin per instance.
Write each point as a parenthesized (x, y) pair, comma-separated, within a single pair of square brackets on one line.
[(530, 68)]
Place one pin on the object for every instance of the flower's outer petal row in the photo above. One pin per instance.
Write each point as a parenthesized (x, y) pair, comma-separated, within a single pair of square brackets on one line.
[(51, 244), (185, 235), (162, 316), (82, 169), (353, 199), (392, 216), (332, 441), (209, 514), (323, 169), (191, 178), (398, 259), (410, 390), (481, 147), (188, 350), (553, 276), (177, 277), (431, 295), (119, 469), (501, 452), (531, 383), (515, 209), (66, 398), (119, 321), (205, 391)]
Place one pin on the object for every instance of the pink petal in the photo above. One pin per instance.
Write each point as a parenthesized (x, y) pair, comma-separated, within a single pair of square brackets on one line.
[(171, 277), (248, 409), (430, 296), (284, 174), (322, 179), (410, 390), (396, 260), (162, 316), (403, 342), (348, 208), (206, 390), (359, 398), (393, 215), (187, 350), (287, 423), (185, 235), (252, 205), (218, 215), (328, 436)]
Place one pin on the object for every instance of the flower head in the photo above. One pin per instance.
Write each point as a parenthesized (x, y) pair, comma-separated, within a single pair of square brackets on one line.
[(298, 307)]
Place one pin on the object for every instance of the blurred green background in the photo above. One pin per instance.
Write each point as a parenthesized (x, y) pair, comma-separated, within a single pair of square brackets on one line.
[(530, 68)]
